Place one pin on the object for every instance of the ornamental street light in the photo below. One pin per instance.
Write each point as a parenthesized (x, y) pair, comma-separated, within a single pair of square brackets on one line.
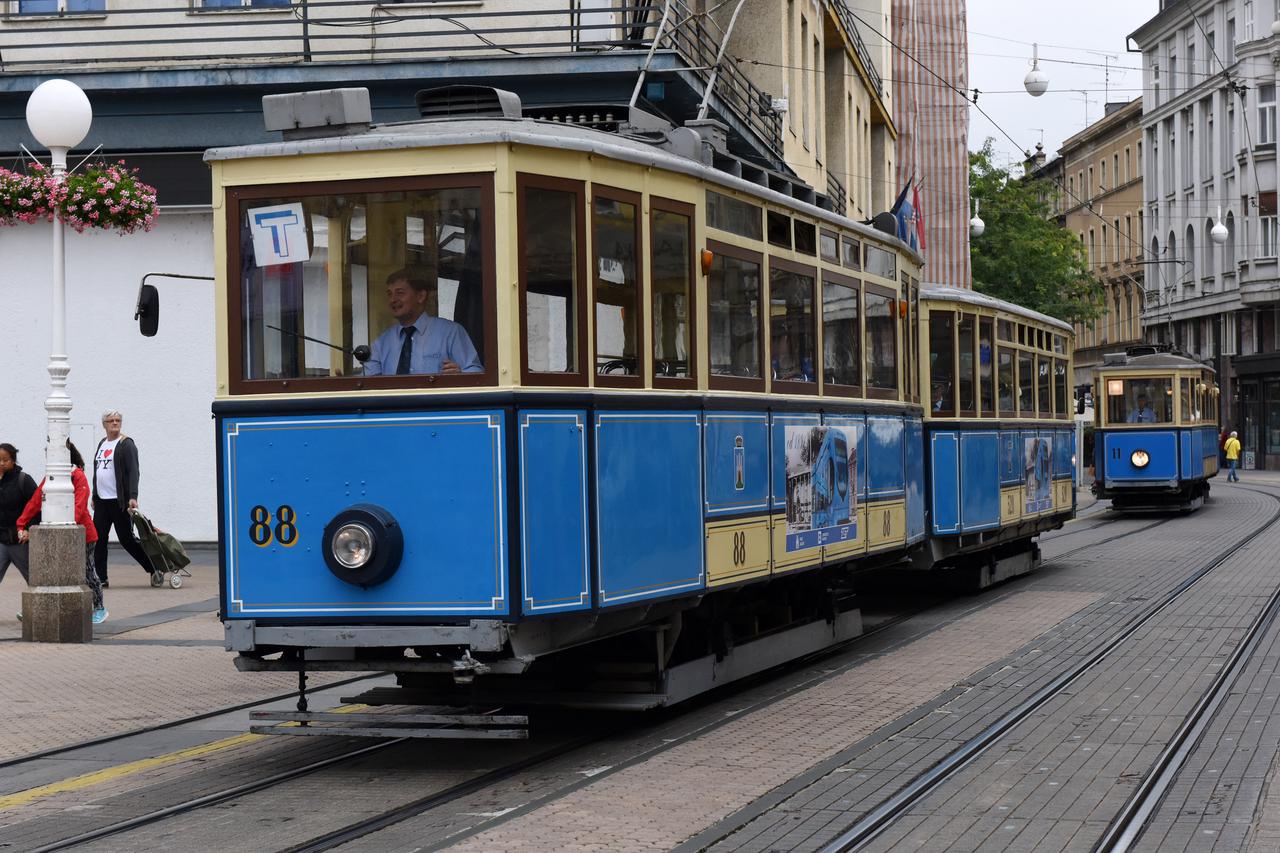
[(58, 114)]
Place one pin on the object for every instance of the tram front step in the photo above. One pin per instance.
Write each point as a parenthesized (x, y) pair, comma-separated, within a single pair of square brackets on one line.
[(440, 726)]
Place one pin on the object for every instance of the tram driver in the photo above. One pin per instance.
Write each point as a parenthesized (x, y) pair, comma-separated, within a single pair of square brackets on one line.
[(1144, 414), (419, 342)]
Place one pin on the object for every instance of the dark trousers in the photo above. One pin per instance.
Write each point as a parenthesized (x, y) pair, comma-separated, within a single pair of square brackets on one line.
[(108, 514)]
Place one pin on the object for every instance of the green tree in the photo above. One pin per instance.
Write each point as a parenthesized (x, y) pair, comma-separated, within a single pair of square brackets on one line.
[(1024, 256)]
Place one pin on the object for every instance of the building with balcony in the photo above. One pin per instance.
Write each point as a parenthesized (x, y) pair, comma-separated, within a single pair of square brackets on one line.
[(1102, 203), (795, 84), (1209, 136)]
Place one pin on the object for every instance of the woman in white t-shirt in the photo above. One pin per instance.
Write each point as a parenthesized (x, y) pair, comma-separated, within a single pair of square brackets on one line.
[(115, 492)]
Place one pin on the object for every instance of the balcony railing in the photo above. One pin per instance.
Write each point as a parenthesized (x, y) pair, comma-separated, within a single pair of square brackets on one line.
[(850, 25), (162, 34), (837, 194)]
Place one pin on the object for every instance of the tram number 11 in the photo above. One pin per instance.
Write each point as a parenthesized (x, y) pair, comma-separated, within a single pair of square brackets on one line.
[(261, 531), (739, 547)]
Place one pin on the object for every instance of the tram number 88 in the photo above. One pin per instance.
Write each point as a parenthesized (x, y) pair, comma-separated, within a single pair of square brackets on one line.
[(739, 547), (261, 531)]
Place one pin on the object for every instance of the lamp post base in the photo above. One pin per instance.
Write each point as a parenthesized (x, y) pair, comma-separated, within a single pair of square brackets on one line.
[(58, 607)]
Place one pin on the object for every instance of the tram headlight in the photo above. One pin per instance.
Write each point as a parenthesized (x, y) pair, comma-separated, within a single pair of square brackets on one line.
[(1139, 458), (363, 545), (353, 545)]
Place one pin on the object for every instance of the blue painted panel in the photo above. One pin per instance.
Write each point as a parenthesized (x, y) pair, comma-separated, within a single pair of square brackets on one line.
[(1190, 461), (944, 467), (555, 569), (737, 478), (1161, 446), (778, 451), (1063, 446), (858, 424), (915, 480), (442, 475), (1010, 457), (885, 469), (979, 481), (648, 504)]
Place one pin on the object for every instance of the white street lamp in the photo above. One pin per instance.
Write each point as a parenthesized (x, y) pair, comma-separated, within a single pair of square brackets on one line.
[(976, 225), (1218, 233), (1036, 81), (58, 114)]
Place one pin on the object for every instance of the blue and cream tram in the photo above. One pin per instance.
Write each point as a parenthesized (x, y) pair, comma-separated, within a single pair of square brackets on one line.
[(1156, 433), (999, 432), (656, 404)]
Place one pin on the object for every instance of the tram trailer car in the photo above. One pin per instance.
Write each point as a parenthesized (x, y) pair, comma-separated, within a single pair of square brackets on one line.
[(686, 407), (1156, 430)]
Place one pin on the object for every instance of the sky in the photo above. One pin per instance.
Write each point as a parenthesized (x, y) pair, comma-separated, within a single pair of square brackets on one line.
[(1080, 31)]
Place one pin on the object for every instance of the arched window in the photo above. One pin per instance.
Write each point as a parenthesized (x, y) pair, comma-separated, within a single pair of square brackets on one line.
[(1229, 265), (1189, 269), (1156, 275), (1209, 254), (1170, 269)]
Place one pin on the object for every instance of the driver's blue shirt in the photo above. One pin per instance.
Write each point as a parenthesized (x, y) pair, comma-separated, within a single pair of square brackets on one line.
[(1142, 416), (434, 340)]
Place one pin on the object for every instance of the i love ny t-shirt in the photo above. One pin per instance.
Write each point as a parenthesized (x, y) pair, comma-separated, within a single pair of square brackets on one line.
[(105, 465)]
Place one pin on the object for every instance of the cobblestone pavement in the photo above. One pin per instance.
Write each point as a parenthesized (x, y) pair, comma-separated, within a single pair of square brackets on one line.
[(159, 658)]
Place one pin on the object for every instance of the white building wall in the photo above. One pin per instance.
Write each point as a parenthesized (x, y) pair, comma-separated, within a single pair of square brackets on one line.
[(163, 385)]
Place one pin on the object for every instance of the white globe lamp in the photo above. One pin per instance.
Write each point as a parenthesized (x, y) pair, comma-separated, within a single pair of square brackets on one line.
[(1218, 233), (1036, 82), (976, 225), (59, 115)]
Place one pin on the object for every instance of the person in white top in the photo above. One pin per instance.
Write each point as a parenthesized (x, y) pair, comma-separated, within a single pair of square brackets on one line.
[(115, 492)]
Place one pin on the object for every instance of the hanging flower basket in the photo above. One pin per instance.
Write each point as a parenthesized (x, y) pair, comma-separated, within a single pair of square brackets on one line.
[(102, 195)]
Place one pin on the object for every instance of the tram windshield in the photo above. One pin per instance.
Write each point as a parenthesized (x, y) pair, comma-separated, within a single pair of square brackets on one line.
[(1143, 400), (401, 272)]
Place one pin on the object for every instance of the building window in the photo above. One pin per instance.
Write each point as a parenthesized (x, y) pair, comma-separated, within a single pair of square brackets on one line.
[(1266, 236), (1230, 46), (1102, 170), (1248, 20), (57, 7), (1115, 248), (1266, 113), (246, 4)]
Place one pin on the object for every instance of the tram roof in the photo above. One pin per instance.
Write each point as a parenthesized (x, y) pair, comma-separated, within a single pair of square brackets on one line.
[(545, 134), (982, 300), (1151, 361)]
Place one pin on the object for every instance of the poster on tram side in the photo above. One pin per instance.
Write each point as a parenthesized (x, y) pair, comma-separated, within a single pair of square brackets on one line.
[(1038, 471), (822, 498)]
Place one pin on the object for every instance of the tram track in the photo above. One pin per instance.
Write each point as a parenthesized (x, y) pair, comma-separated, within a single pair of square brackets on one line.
[(1127, 826)]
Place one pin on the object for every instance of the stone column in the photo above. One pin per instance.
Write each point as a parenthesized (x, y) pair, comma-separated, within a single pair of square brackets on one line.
[(58, 607)]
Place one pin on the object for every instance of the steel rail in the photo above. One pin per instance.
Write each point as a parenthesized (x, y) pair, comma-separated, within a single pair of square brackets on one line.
[(887, 812), (208, 799), (1128, 825)]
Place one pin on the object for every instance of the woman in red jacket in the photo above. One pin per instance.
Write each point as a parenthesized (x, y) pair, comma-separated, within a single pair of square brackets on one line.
[(81, 484)]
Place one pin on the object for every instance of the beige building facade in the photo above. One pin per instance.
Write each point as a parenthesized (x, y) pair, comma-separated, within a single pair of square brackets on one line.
[(1102, 205)]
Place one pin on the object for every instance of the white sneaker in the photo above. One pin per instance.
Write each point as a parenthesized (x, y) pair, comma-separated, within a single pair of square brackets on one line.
[(100, 615)]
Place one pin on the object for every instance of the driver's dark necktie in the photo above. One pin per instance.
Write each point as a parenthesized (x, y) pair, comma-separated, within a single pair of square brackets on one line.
[(406, 350)]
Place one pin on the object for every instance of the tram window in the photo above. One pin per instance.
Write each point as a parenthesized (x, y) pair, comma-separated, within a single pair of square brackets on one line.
[(965, 367), (942, 363), (736, 217), (551, 269), (779, 225), (841, 355), (829, 246), (1008, 382), (733, 316), (913, 382), (852, 256), (1004, 329), (340, 268), (880, 262), (1060, 388), (615, 236), (806, 237), (1026, 385), (882, 351), (1059, 344), (791, 325), (1140, 400), (986, 367), (671, 265), (1022, 334), (1044, 387)]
